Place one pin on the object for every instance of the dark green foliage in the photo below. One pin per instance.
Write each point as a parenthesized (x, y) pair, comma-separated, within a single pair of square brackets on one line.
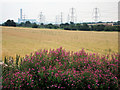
[(118, 23), (109, 28), (118, 28), (50, 26), (78, 26), (28, 24), (68, 26), (5, 60), (98, 27), (21, 24), (9, 23), (85, 27), (34, 25), (17, 59), (21, 60)]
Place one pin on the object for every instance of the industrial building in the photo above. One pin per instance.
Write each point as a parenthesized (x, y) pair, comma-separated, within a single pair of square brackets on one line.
[(23, 19)]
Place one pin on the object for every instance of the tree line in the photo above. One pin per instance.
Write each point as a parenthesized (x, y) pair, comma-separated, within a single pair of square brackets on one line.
[(65, 26)]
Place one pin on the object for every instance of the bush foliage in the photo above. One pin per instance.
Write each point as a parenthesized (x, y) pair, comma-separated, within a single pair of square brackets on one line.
[(67, 26), (59, 69)]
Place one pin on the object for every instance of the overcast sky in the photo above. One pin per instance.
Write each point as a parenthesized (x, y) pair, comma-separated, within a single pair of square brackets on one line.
[(84, 9)]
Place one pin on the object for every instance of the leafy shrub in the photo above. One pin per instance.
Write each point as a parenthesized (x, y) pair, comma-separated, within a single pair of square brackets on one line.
[(64, 70), (34, 25)]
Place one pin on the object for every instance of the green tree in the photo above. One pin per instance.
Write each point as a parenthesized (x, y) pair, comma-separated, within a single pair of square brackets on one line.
[(72, 27), (50, 26), (118, 22), (21, 24), (100, 27), (109, 28), (28, 24), (78, 26), (91, 27), (85, 27), (9, 23), (34, 25)]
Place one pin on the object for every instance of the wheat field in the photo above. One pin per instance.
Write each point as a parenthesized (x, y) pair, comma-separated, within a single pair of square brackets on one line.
[(22, 41)]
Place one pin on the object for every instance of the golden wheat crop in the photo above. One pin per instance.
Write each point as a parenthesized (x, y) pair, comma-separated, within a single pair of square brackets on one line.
[(18, 40)]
